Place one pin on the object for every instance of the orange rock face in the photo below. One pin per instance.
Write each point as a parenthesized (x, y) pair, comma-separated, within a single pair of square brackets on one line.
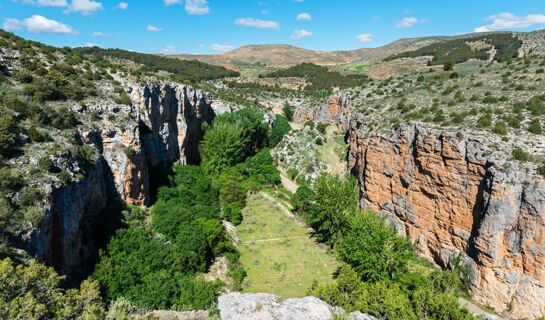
[(451, 198)]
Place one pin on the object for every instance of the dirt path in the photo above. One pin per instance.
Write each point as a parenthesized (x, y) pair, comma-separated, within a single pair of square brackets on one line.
[(274, 239), (477, 311), (288, 184)]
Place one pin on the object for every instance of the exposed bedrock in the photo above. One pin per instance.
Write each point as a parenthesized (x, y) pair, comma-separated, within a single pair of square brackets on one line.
[(457, 196)]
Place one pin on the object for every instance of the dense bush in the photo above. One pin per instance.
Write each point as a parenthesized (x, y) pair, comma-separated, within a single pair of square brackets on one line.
[(281, 128), (232, 138), (153, 272), (427, 301), (332, 199), (288, 112), (36, 292), (374, 250), (8, 134)]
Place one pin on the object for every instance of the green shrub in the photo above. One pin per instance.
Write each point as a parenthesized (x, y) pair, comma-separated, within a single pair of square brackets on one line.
[(322, 127), (36, 292), (36, 135), (10, 180), (520, 155), (484, 121), (288, 112), (535, 126), (500, 128), (65, 178), (46, 163), (280, 129)]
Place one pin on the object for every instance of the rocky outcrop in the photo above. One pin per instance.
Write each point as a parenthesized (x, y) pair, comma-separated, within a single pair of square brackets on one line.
[(336, 112), (255, 306), (162, 126), (460, 196)]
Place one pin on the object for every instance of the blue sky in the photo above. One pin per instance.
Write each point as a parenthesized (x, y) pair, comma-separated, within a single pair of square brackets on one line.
[(215, 26)]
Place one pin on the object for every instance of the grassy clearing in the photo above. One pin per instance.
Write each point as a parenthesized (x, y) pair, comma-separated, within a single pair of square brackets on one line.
[(333, 152), (277, 253), (361, 68)]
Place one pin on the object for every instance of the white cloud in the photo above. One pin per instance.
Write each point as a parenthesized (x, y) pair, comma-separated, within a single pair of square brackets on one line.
[(298, 0), (11, 24), (506, 20), (257, 23), (86, 7), (304, 16), (168, 49), (198, 7), (105, 35), (221, 47), (300, 34), (39, 24), (264, 12), (408, 22), (122, 5), (169, 2), (153, 28), (90, 45), (200, 45), (46, 3), (365, 37)]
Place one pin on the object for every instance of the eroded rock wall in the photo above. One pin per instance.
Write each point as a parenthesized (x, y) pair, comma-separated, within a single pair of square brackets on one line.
[(162, 126), (460, 195)]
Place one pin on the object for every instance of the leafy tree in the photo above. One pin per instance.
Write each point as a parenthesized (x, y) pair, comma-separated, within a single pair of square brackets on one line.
[(301, 200), (448, 66), (288, 111), (232, 138), (223, 146), (374, 249), (261, 169), (334, 199), (8, 134), (280, 129), (35, 292)]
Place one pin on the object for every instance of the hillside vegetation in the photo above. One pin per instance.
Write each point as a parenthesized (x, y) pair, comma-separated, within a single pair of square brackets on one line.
[(319, 78), (182, 70), (506, 47)]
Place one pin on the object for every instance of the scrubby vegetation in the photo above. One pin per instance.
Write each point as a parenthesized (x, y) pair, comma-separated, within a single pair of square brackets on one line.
[(460, 50), (319, 78), (182, 70)]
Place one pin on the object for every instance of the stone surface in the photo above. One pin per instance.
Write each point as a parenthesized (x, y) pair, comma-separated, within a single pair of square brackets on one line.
[(336, 112), (263, 306), (463, 196)]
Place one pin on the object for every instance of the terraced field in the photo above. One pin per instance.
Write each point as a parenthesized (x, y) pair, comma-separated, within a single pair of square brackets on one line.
[(277, 251)]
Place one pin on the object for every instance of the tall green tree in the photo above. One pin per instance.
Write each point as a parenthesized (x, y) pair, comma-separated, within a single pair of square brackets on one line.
[(374, 250), (334, 199)]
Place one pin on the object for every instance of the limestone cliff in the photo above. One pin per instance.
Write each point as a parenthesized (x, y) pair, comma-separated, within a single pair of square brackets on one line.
[(162, 126), (336, 112), (457, 195)]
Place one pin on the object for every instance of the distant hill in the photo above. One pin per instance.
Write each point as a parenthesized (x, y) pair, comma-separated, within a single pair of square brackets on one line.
[(282, 55)]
